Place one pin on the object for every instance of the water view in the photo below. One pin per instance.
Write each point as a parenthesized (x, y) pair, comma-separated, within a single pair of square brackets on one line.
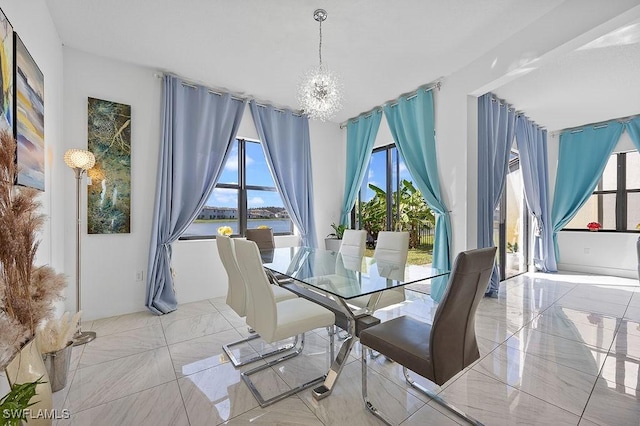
[(210, 227)]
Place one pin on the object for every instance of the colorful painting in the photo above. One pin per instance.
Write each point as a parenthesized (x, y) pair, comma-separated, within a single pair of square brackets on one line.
[(29, 118), (109, 133), (6, 74)]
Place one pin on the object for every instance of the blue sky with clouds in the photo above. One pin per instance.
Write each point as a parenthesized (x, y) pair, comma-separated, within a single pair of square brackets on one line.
[(377, 172), (257, 174)]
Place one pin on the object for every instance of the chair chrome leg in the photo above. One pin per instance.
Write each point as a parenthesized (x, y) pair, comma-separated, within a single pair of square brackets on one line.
[(237, 363), (439, 400), (332, 342), (365, 396), (256, 392)]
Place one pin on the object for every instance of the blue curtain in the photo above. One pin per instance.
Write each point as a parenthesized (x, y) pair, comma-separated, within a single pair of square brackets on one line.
[(412, 125), (583, 156), (197, 129), (496, 129), (532, 146), (286, 142), (361, 134), (633, 127)]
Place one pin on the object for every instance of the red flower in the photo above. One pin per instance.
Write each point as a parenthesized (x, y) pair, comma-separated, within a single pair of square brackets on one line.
[(594, 225)]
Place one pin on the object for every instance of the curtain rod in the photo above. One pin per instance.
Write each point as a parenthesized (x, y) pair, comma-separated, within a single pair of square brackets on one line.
[(219, 92), (596, 125), (510, 107), (392, 103)]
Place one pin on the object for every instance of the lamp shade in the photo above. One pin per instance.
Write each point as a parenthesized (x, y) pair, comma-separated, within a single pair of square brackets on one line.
[(79, 159)]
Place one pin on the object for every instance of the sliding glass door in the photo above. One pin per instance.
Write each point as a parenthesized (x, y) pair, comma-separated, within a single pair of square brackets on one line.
[(512, 224)]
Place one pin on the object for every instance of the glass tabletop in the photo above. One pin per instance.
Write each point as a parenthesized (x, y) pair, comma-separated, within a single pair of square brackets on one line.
[(343, 276)]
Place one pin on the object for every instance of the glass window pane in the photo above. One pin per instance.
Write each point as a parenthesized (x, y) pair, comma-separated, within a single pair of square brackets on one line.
[(265, 208), (373, 203), (257, 173), (221, 209), (230, 170), (633, 211), (395, 184), (633, 170), (599, 208), (609, 179)]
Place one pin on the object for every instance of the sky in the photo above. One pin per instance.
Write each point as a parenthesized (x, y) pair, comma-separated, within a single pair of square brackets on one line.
[(257, 174), (377, 173)]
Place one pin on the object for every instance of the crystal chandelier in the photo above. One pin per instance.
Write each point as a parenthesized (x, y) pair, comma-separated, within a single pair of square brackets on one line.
[(319, 92)]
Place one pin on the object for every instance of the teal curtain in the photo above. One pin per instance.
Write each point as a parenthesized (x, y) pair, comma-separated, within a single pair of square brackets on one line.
[(411, 121), (583, 156), (633, 127), (361, 134)]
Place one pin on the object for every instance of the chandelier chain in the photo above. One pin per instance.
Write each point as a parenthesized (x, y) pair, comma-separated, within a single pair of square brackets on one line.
[(320, 45)]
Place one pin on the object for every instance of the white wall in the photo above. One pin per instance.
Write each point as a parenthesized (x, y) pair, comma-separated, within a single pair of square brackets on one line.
[(110, 262), (606, 253), (33, 24)]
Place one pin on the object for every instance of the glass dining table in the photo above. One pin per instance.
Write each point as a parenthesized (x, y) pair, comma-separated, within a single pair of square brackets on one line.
[(332, 280)]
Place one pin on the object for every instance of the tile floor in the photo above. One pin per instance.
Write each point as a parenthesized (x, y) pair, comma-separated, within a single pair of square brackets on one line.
[(555, 349)]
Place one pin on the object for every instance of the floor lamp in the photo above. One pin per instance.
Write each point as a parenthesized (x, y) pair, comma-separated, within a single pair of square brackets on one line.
[(80, 161)]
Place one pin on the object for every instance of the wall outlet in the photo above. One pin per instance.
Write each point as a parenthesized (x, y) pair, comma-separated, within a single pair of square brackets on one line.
[(587, 250), (139, 275)]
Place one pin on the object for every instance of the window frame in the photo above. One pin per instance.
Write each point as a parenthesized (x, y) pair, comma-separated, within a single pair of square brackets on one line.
[(621, 192), (242, 187)]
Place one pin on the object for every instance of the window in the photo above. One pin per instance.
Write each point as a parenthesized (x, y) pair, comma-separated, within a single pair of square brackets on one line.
[(244, 197), (388, 200), (615, 203)]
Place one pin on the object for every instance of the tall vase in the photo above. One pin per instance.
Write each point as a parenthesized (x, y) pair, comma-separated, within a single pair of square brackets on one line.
[(27, 366)]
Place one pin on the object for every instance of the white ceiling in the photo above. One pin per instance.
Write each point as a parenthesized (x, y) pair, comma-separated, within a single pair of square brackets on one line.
[(380, 48), (597, 82)]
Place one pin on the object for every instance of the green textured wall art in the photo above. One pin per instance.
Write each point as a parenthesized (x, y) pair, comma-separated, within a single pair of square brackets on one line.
[(109, 191)]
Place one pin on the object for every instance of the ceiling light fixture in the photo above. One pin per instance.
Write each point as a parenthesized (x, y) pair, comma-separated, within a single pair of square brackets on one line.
[(319, 92)]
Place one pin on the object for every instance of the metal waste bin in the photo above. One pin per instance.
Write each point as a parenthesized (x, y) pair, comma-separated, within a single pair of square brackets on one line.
[(57, 365)]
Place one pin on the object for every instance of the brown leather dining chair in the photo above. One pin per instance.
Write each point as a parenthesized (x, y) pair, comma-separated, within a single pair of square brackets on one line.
[(439, 351), (263, 237)]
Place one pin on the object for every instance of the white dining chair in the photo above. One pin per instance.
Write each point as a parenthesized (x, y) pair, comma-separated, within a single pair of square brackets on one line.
[(275, 321), (354, 243), (237, 299), (391, 248)]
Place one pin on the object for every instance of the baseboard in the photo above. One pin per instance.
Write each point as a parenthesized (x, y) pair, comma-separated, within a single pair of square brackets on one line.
[(599, 270)]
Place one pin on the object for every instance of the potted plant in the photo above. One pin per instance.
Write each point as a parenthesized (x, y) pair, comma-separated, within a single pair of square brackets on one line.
[(593, 226), (55, 339), (14, 404), (333, 241), (27, 291)]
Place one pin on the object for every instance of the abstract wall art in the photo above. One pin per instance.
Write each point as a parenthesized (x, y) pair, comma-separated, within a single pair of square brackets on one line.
[(6, 74), (109, 191), (29, 118)]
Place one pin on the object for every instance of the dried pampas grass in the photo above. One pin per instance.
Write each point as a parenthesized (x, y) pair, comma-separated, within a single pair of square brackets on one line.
[(12, 336), (56, 334), (27, 292)]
